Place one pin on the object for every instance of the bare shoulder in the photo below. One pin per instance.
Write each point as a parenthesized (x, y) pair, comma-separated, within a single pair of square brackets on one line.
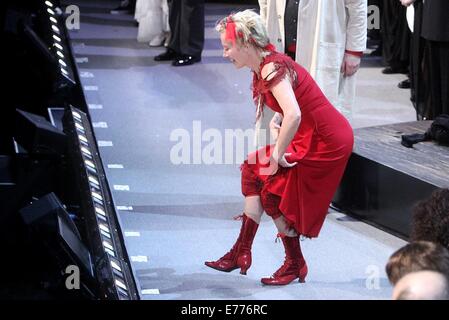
[(268, 71)]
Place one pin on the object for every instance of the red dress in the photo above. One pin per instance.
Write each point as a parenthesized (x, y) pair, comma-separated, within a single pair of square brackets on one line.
[(321, 146)]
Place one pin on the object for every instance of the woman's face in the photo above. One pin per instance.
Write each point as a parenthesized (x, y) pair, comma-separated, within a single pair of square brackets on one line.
[(234, 52)]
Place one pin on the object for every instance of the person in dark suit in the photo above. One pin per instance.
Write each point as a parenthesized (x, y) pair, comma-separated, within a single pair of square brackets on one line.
[(186, 19), (395, 38), (430, 91), (435, 29)]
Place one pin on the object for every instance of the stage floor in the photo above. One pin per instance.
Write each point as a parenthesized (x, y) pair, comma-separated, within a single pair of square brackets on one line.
[(176, 216), (426, 161)]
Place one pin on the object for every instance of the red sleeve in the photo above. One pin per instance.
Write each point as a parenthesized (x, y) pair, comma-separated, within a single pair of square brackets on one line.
[(355, 53), (283, 66)]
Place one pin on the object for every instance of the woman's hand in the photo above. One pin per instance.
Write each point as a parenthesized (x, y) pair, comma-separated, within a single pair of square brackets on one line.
[(281, 160), (284, 163)]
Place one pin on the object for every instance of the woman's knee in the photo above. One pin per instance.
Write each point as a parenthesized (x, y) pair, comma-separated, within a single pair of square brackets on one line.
[(270, 203), (255, 216), (251, 184), (284, 228)]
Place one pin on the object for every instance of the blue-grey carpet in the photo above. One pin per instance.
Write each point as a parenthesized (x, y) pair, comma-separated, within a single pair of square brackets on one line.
[(176, 216)]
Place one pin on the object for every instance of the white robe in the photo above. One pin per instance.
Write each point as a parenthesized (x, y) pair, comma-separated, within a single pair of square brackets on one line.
[(326, 28), (152, 16)]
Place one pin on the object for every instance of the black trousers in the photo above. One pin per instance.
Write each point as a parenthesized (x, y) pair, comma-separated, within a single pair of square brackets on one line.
[(436, 78), (186, 19), (417, 44), (429, 72), (395, 35)]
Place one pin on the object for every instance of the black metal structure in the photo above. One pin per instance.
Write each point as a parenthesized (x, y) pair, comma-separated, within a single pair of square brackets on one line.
[(103, 230), (54, 198)]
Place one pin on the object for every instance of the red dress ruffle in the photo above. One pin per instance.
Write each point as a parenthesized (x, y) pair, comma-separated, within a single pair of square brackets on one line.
[(321, 146)]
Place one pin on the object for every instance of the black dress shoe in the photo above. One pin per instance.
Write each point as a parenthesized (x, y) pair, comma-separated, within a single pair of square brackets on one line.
[(376, 53), (404, 84), (185, 60), (124, 8), (391, 70), (168, 55)]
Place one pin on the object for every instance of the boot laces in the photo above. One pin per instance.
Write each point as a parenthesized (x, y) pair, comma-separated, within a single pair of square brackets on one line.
[(279, 236), (284, 268)]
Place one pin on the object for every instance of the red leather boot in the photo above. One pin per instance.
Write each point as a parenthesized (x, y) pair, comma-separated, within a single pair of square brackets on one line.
[(240, 254), (294, 266)]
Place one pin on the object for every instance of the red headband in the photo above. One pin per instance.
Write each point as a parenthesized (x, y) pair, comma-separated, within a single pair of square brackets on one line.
[(231, 33), (270, 47)]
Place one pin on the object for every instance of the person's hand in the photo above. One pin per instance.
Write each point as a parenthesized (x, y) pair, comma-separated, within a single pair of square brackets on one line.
[(284, 163), (407, 3), (350, 65), (281, 160)]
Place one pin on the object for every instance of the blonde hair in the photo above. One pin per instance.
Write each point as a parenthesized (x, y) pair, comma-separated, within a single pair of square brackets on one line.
[(249, 25)]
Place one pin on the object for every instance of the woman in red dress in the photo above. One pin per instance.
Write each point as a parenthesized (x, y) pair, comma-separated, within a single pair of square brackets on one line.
[(293, 180)]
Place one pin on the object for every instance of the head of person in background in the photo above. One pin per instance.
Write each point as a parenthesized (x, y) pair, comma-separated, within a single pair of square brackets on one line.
[(422, 285), (430, 220), (244, 39), (417, 256)]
